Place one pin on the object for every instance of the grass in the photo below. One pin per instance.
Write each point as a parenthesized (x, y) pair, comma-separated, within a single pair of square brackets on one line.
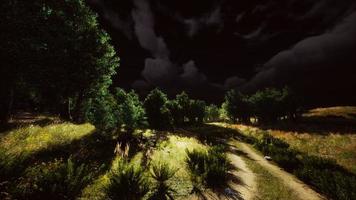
[(324, 174), (269, 187), (347, 112), (173, 152), (31, 139), (340, 147)]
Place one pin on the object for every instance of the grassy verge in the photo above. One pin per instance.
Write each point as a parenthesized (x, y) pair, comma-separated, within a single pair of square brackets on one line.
[(269, 187), (325, 175)]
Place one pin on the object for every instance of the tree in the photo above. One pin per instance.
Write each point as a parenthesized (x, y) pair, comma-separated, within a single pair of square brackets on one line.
[(197, 111), (290, 103), (130, 111), (176, 112), (237, 106), (212, 113), (158, 115), (56, 51), (267, 104), (100, 111)]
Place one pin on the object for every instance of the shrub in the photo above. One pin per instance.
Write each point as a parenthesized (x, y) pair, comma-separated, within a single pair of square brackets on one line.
[(216, 167), (158, 115), (57, 180), (208, 168), (196, 162), (161, 173), (212, 113), (127, 182)]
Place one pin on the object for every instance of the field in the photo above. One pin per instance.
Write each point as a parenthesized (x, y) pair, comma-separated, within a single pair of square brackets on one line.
[(33, 152), (311, 137)]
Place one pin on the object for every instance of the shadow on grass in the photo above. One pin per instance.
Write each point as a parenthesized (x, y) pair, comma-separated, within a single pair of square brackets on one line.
[(93, 149), (210, 134)]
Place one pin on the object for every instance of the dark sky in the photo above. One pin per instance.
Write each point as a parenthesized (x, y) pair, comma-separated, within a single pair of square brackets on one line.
[(209, 46)]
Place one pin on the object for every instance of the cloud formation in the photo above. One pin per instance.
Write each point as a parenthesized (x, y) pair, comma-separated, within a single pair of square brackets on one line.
[(335, 49)]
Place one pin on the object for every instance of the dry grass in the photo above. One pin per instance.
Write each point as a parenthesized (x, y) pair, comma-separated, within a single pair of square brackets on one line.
[(347, 112)]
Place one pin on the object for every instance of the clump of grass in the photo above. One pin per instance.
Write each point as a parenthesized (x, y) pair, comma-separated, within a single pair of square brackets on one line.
[(127, 182), (55, 180), (162, 173), (208, 168)]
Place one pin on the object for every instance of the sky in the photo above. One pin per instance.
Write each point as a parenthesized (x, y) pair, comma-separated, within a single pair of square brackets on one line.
[(207, 47)]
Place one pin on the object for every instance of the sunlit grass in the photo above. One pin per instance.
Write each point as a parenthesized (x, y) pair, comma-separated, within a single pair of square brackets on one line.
[(173, 152), (28, 140), (96, 190), (269, 187), (348, 112)]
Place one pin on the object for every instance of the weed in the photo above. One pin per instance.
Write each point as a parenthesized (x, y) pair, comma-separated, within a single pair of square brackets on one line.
[(162, 173), (127, 182)]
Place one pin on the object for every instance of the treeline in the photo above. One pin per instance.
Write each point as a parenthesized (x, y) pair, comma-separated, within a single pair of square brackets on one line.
[(122, 109), (265, 106)]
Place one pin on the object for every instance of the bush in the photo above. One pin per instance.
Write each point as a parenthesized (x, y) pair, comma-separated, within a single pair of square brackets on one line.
[(100, 111), (158, 115), (208, 168), (161, 173), (212, 113), (127, 182), (56, 180), (196, 162)]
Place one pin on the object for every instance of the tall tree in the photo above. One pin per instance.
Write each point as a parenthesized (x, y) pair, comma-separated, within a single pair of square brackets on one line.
[(56, 48)]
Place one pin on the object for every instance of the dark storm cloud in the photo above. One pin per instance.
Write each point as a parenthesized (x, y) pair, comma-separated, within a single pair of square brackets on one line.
[(320, 53), (233, 82), (124, 25), (191, 75), (160, 70)]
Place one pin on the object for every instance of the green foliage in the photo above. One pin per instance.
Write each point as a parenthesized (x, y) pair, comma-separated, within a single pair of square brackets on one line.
[(56, 180), (184, 110), (208, 168), (328, 177), (10, 166), (197, 111), (62, 58), (212, 113), (272, 104), (268, 105), (237, 106), (127, 182), (158, 115), (161, 173), (176, 112), (100, 111), (130, 111)]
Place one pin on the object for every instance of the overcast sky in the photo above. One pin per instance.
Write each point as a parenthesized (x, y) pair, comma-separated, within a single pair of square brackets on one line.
[(209, 46)]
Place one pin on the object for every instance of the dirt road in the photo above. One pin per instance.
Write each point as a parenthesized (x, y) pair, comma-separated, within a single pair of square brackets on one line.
[(300, 188)]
